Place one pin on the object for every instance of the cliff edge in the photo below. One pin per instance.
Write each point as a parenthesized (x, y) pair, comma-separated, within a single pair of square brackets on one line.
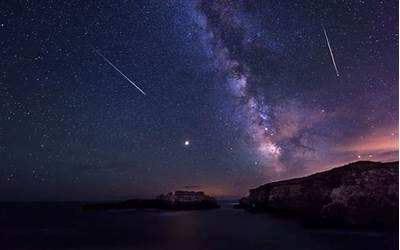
[(362, 193)]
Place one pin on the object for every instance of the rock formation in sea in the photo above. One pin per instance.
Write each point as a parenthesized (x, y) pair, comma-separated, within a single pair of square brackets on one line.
[(187, 197), (362, 193), (179, 200)]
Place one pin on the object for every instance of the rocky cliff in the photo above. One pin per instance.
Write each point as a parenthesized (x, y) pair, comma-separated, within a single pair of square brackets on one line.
[(361, 193)]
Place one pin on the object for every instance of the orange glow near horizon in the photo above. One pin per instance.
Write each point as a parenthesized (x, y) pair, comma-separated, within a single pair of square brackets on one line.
[(376, 147)]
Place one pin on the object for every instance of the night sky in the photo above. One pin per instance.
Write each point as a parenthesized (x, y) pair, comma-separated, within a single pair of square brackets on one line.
[(237, 93)]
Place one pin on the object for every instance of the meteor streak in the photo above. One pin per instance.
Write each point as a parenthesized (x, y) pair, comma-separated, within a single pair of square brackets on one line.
[(112, 65), (330, 51)]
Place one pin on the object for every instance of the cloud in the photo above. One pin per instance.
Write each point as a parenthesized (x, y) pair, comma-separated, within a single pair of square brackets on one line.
[(382, 144)]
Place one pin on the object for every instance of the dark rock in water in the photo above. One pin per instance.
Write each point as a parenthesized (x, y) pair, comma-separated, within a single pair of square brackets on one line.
[(180, 200), (360, 194), (188, 200), (244, 203)]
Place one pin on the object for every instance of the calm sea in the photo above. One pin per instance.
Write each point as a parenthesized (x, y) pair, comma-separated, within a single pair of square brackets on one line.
[(65, 226)]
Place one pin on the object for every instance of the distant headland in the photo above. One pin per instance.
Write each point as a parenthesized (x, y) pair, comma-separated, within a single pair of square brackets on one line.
[(178, 200)]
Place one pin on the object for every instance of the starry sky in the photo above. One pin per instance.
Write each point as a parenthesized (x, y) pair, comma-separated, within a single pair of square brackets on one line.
[(237, 93)]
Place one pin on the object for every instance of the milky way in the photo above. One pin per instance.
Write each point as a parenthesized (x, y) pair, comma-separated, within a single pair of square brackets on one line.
[(288, 132)]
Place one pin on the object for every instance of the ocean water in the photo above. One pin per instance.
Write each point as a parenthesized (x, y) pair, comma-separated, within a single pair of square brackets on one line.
[(65, 226)]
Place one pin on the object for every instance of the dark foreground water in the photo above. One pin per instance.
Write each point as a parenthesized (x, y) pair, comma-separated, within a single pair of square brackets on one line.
[(65, 226)]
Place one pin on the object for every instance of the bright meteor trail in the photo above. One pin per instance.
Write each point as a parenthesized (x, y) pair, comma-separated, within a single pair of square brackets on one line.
[(330, 50), (112, 65)]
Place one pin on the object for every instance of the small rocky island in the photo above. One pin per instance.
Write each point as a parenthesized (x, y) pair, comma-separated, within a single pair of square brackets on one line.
[(179, 200), (362, 193)]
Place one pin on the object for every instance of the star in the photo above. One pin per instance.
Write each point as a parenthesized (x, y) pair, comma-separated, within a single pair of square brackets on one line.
[(187, 143)]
